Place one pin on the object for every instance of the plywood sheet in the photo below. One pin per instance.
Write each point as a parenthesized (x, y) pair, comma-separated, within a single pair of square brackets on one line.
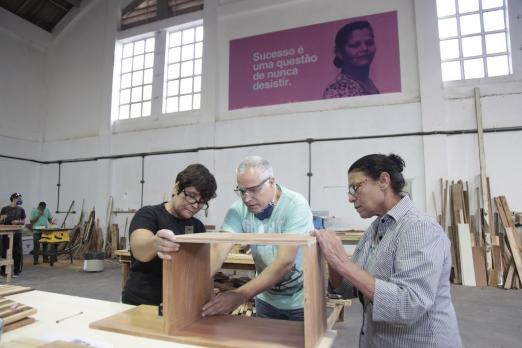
[(215, 331), (466, 256), (479, 263), (187, 285)]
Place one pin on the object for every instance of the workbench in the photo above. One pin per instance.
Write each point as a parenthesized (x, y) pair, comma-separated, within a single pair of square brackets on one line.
[(9, 231), (52, 237), (52, 307)]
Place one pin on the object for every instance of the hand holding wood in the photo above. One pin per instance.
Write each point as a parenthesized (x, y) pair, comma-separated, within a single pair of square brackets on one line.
[(332, 247), (165, 242), (224, 303)]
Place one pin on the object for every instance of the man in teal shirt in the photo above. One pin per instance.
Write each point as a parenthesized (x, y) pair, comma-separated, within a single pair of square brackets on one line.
[(40, 218), (266, 207)]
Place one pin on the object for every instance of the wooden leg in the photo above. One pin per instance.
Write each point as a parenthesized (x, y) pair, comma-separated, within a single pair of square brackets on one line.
[(9, 256)]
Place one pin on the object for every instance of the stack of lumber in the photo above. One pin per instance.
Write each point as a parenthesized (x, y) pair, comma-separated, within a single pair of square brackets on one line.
[(86, 237), (509, 246), (223, 283), (15, 314), (485, 247)]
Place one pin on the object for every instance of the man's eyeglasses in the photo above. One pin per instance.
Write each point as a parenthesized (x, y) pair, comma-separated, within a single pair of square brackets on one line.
[(253, 190), (352, 189), (191, 199)]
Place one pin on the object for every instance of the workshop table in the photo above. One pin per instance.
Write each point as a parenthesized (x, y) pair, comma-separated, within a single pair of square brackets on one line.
[(65, 309), (53, 237), (9, 231)]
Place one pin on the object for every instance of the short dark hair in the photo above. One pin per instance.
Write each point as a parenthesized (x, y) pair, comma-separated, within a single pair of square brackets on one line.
[(42, 204), (199, 176), (15, 196), (373, 165), (344, 33)]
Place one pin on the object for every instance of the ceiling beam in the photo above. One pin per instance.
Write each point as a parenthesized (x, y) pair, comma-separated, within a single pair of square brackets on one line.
[(75, 3), (131, 6)]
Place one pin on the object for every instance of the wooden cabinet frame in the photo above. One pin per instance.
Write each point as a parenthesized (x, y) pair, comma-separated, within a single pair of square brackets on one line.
[(187, 286)]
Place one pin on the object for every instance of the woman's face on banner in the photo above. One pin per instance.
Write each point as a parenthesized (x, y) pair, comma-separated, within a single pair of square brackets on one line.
[(359, 48)]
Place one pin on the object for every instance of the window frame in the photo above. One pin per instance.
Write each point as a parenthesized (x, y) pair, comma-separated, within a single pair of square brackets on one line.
[(484, 56), (157, 119)]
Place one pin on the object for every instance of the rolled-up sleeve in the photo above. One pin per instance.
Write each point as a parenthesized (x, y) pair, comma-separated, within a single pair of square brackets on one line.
[(410, 292)]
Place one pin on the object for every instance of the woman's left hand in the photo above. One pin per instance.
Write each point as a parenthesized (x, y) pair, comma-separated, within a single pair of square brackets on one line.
[(331, 246)]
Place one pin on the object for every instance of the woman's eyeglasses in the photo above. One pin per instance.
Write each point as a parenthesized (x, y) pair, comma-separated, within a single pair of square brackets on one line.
[(253, 190), (191, 199), (352, 189)]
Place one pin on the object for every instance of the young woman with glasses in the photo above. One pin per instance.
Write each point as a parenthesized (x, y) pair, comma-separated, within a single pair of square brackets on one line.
[(152, 225)]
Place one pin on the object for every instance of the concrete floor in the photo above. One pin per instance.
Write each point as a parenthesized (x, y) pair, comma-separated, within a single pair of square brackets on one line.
[(488, 317)]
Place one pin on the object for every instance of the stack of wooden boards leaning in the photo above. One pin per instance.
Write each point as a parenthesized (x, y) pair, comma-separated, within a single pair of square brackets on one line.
[(485, 247)]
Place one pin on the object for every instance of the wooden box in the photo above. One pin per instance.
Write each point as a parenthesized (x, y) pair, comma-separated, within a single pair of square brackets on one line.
[(187, 286)]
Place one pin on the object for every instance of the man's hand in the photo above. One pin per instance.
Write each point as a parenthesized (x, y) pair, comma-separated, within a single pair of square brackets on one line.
[(332, 247), (165, 242), (224, 303), (2, 218)]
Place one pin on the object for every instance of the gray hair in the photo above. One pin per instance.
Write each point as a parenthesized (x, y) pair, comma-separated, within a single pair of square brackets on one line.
[(261, 165)]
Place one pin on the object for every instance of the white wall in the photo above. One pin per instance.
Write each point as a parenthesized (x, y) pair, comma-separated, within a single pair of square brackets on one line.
[(77, 73)]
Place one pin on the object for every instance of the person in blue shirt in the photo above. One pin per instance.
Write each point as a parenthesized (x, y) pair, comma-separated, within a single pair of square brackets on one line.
[(40, 218), (265, 207)]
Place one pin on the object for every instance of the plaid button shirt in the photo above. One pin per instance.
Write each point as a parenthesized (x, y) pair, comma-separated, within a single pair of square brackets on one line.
[(411, 265)]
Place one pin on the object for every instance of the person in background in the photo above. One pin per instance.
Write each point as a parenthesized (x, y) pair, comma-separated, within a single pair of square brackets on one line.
[(264, 207), (13, 214), (194, 187), (401, 267), (40, 218), (354, 52)]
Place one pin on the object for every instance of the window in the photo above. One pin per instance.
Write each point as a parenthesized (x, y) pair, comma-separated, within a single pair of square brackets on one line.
[(182, 89), (135, 80), (158, 72), (473, 38)]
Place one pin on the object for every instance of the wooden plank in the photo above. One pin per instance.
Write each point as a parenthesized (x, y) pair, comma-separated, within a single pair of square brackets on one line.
[(246, 238), (6, 290), (19, 323), (483, 182), (515, 252), (215, 331), (17, 314), (9, 228), (510, 222), (466, 256), (456, 208), (445, 206), (509, 277), (334, 315), (479, 264), (187, 285), (115, 236), (314, 296)]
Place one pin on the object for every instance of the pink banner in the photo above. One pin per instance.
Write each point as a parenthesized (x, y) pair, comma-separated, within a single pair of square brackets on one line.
[(344, 58)]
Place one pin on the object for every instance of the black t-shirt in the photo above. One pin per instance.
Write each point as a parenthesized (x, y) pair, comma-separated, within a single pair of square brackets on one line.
[(144, 284), (13, 213)]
